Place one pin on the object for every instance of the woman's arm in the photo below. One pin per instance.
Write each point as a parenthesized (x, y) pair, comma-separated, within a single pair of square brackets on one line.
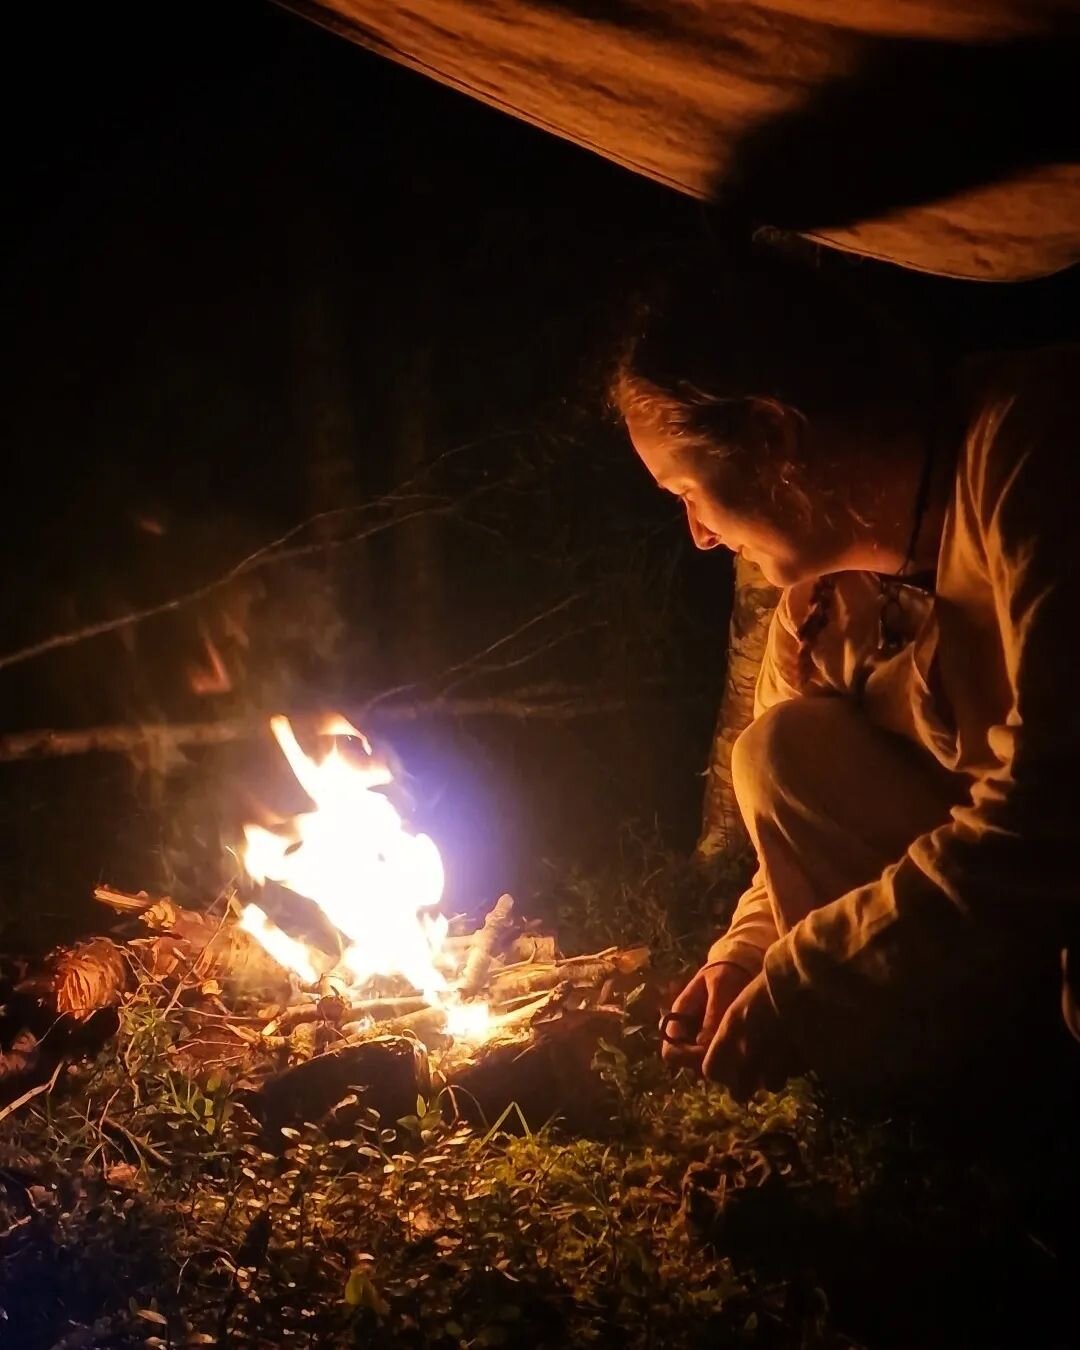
[(969, 898), (838, 654)]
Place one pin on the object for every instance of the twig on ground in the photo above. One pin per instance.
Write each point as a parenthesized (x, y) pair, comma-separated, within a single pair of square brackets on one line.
[(33, 1092)]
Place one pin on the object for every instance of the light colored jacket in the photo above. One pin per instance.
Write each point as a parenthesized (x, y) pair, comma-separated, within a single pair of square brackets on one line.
[(988, 686)]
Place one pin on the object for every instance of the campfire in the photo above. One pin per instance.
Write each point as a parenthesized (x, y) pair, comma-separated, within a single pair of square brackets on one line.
[(331, 970), (377, 884)]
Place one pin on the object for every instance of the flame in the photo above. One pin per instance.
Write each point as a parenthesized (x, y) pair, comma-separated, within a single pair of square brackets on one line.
[(468, 1021), (376, 882), (284, 949)]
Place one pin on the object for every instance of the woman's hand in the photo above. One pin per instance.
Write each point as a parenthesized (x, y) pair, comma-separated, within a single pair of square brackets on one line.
[(699, 1011), (750, 1049)]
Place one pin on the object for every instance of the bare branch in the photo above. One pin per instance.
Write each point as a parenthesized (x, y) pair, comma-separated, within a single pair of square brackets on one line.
[(275, 552), (467, 665), (263, 557), (528, 656)]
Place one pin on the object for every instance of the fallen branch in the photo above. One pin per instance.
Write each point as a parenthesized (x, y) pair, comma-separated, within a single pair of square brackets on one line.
[(390, 1071), (124, 740)]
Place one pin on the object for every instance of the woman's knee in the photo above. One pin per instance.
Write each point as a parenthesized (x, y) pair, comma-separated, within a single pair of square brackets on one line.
[(786, 751)]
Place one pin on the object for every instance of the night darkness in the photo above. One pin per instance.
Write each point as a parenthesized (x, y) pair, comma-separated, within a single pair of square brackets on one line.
[(304, 366), (253, 273)]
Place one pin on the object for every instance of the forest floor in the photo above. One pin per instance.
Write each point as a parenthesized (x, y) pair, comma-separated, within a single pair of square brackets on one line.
[(140, 1207)]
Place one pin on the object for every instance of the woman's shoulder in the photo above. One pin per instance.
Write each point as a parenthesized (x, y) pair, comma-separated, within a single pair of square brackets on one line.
[(1041, 382), (1021, 403)]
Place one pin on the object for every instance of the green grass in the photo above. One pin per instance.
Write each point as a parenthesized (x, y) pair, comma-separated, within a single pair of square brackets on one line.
[(140, 1207)]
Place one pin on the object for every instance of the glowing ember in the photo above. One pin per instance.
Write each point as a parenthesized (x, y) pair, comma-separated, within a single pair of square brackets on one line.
[(468, 1021), (375, 881)]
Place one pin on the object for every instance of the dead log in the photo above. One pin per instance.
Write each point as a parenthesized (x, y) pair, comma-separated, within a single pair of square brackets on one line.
[(547, 1075), (89, 977), (388, 1073), (82, 985)]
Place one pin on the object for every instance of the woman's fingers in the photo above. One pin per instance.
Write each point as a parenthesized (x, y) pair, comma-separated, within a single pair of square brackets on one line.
[(750, 1049), (698, 1012), (680, 1045), (724, 985)]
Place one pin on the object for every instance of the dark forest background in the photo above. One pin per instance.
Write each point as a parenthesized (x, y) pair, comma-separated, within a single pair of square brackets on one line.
[(254, 276)]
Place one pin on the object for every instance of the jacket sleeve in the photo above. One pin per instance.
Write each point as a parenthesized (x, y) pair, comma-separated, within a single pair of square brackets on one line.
[(752, 929), (973, 894)]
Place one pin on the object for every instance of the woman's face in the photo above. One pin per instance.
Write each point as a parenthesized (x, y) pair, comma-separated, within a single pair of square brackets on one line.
[(785, 552)]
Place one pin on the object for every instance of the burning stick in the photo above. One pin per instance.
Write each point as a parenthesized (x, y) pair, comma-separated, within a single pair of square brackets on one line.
[(194, 946), (427, 1024), (338, 1010), (478, 962)]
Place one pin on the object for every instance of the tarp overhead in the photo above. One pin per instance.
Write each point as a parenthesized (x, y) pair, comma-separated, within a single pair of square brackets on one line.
[(934, 133)]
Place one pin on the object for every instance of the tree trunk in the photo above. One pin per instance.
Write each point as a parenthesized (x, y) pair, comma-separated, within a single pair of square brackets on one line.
[(722, 830)]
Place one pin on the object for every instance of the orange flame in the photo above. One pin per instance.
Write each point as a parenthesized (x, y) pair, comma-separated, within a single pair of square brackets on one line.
[(376, 882)]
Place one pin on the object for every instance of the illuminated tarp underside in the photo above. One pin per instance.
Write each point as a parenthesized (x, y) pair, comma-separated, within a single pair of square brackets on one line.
[(671, 88)]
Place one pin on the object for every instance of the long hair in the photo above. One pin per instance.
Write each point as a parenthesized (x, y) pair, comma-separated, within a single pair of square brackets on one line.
[(714, 339)]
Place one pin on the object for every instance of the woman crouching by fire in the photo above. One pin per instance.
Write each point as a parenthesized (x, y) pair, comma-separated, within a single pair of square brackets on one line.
[(911, 780)]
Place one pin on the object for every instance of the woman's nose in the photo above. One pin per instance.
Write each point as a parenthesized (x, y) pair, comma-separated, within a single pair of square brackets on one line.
[(702, 536)]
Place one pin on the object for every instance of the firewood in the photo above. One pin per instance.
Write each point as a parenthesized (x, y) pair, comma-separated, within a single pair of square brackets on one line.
[(336, 1009), (427, 1024), (513, 949), (478, 962), (389, 1073), (76, 981), (121, 901), (531, 947), (87, 977), (547, 1075), (197, 947), (529, 977)]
